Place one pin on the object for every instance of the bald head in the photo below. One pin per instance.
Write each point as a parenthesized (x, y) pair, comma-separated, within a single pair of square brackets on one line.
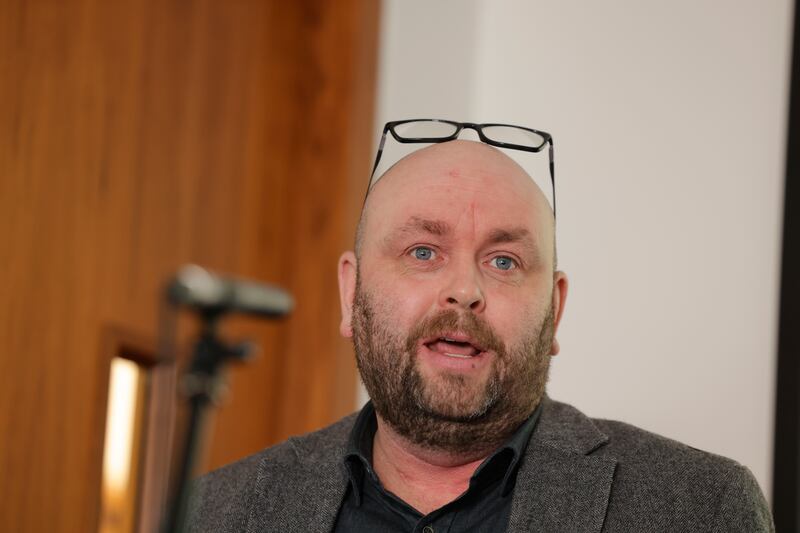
[(457, 176)]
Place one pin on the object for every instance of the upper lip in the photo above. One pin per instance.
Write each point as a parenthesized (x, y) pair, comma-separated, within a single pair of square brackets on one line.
[(454, 336)]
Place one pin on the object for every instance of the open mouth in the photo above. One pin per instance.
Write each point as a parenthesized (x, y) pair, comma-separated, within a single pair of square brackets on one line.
[(458, 347)]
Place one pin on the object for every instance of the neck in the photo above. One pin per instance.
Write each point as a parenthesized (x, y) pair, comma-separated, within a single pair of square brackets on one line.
[(424, 478)]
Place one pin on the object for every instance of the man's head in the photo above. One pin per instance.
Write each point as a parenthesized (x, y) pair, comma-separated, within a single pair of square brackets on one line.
[(453, 298)]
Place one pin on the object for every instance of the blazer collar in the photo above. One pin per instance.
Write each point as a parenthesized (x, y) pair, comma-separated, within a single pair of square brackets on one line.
[(560, 485)]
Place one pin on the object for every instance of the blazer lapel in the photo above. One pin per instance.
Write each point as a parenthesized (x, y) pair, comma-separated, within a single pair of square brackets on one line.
[(560, 485), (307, 502)]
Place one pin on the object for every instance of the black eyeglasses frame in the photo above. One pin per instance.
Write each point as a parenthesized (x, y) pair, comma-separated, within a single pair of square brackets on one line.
[(389, 127)]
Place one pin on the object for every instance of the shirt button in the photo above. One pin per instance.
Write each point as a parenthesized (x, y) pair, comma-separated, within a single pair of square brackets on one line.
[(428, 529)]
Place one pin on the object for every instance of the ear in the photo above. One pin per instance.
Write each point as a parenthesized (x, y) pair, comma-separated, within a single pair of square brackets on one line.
[(348, 266), (560, 285)]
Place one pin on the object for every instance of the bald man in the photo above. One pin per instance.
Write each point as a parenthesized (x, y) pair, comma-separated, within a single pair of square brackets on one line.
[(453, 298)]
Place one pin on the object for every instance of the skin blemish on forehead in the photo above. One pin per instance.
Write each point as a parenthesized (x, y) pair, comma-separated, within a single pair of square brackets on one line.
[(454, 173)]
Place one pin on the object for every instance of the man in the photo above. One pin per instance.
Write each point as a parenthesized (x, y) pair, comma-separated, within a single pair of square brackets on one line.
[(452, 298)]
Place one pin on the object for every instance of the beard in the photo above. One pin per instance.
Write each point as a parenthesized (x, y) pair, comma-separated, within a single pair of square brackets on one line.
[(450, 411)]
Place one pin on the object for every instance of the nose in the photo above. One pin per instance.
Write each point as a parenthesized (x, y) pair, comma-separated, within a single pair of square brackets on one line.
[(463, 289)]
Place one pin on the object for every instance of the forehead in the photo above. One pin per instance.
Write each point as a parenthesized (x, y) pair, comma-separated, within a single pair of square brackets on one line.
[(463, 184)]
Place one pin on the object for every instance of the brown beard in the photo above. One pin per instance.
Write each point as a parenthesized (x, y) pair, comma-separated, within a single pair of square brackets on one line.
[(450, 413)]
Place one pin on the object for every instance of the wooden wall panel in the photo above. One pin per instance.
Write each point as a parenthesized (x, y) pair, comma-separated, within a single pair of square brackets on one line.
[(139, 135)]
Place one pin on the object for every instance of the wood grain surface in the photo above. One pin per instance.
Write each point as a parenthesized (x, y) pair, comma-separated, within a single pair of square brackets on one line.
[(136, 136)]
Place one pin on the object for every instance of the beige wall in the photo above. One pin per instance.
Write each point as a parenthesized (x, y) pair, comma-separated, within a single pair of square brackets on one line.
[(669, 127)]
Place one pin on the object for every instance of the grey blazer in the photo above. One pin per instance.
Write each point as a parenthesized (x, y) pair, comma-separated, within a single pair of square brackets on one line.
[(578, 475)]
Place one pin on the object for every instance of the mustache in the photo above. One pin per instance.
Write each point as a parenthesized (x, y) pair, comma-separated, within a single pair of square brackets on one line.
[(451, 320)]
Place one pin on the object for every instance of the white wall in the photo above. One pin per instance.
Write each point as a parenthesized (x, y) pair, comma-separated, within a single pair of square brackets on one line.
[(669, 122)]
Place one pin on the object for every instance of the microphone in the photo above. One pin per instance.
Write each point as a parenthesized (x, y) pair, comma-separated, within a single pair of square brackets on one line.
[(197, 288)]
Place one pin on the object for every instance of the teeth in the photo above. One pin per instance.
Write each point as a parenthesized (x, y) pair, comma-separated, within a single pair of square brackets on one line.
[(458, 355)]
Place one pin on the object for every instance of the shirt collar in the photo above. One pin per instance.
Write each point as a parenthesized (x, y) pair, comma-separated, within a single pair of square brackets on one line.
[(504, 462), (358, 455), (516, 445)]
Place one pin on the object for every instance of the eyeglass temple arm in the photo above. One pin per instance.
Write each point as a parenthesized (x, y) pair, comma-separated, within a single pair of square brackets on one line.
[(377, 160), (552, 175)]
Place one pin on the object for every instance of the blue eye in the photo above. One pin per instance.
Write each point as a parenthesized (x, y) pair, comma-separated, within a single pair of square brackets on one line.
[(503, 263), (423, 253)]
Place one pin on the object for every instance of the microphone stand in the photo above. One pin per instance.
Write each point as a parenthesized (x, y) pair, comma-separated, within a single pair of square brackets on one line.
[(200, 386)]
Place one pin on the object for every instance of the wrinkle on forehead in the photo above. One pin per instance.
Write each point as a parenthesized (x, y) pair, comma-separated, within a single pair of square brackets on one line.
[(459, 165)]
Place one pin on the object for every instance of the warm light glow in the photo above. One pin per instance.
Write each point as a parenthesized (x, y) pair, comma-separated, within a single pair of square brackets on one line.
[(120, 424), (123, 447)]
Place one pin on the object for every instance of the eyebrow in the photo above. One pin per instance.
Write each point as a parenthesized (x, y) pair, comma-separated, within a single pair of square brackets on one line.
[(416, 225), (509, 235), (419, 224), (519, 235)]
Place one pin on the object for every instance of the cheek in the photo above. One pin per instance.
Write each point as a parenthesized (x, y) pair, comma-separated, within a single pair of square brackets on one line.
[(404, 302), (515, 318)]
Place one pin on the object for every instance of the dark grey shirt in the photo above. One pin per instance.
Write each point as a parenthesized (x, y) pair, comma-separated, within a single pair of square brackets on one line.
[(484, 507)]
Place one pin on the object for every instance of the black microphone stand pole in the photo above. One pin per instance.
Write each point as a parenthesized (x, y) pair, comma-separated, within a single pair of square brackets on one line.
[(201, 387)]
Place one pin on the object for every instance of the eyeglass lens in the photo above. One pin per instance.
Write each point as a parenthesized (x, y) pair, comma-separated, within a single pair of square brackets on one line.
[(425, 129), (512, 135), (433, 130)]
